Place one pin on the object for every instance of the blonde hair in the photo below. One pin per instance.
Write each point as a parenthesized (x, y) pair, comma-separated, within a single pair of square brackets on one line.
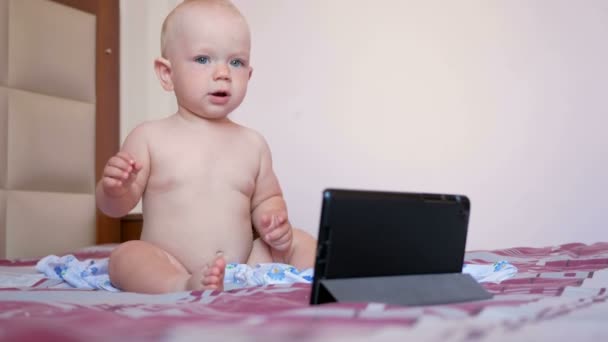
[(226, 4)]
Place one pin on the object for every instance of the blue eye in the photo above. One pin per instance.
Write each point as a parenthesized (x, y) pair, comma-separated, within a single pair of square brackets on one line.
[(202, 60), (237, 63)]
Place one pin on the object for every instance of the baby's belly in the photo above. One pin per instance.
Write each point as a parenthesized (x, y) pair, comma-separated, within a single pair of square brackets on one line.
[(194, 233)]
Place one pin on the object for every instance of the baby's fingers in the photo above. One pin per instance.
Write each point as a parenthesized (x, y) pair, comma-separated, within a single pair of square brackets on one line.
[(119, 163), (283, 241), (124, 161), (137, 167), (266, 221), (126, 157), (272, 222), (277, 234), (116, 173), (109, 182)]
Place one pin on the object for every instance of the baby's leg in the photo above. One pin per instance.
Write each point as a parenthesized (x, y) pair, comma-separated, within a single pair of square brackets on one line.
[(304, 250), (139, 266), (260, 253)]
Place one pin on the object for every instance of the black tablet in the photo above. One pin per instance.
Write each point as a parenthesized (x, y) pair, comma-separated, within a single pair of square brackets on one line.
[(378, 234)]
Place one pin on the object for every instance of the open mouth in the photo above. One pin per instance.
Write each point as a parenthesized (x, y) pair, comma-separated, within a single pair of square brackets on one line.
[(220, 93)]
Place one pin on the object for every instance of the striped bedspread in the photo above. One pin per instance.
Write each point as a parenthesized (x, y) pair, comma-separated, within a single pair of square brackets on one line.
[(558, 294)]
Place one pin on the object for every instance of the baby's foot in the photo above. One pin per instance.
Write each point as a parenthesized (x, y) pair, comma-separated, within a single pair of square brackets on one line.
[(209, 277)]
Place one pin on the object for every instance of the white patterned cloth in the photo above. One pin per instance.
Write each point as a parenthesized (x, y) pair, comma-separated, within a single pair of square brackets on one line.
[(242, 275), (93, 273), (493, 273), (88, 274)]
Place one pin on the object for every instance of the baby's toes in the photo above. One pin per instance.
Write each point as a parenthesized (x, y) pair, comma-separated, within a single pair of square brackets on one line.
[(213, 276)]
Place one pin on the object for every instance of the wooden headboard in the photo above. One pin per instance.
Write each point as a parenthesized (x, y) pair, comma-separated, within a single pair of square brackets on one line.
[(107, 120), (107, 76)]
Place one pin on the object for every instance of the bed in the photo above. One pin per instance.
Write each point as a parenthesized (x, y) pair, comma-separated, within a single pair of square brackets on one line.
[(559, 293)]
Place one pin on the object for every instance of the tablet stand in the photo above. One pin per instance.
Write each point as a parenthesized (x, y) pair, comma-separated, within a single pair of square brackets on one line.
[(426, 289)]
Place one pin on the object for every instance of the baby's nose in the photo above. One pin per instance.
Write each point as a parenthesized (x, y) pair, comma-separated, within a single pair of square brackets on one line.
[(222, 72)]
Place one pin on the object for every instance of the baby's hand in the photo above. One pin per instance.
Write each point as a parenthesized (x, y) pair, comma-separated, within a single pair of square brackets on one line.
[(276, 231), (119, 173)]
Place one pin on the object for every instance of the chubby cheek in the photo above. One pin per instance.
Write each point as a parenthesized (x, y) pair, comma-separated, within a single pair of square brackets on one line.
[(240, 94), (189, 96), (241, 83), (194, 77), (194, 87)]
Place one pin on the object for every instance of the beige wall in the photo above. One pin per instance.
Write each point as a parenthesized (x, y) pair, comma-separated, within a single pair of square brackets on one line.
[(141, 95), (502, 101)]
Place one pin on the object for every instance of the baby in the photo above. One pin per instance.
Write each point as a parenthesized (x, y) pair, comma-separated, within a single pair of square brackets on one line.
[(205, 180)]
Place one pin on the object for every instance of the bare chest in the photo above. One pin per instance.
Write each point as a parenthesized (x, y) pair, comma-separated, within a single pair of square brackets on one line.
[(203, 163)]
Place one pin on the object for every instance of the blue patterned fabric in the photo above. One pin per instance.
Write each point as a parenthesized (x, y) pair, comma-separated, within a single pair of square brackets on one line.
[(87, 274), (242, 275)]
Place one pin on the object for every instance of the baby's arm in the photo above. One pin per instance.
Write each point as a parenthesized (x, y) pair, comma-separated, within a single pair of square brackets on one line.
[(124, 176), (269, 212)]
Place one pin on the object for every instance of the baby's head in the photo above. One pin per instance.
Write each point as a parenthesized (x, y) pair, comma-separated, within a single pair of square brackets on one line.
[(205, 47), (200, 10)]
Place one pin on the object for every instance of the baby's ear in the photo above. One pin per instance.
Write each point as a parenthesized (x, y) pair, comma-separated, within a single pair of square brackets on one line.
[(250, 72), (162, 66)]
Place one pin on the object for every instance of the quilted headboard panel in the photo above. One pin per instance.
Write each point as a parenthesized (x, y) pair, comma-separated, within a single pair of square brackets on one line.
[(47, 128)]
